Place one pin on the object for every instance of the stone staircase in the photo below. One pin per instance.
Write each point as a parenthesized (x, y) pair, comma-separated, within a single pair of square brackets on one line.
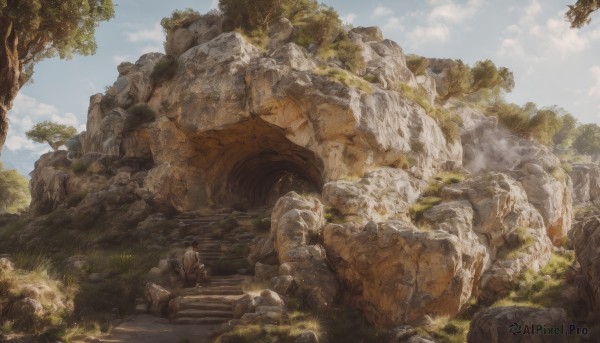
[(223, 249), (210, 303)]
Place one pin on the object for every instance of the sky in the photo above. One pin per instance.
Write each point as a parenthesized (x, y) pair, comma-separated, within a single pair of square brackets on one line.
[(552, 64)]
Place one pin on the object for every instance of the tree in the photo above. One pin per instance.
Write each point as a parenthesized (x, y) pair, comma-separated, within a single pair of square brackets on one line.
[(458, 78), (14, 191), (544, 125), (56, 135), (566, 134), (588, 139), (33, 30), (251, 14), (579, 14)]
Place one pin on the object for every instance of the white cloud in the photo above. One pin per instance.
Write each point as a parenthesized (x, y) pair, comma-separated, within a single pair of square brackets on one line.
[(595, 89), (451, 12), (544, 38), (214, 4), (349, 18), (27, 111), (430, 34), (393, 23), (19, 142), (382, 11), (155, 34)]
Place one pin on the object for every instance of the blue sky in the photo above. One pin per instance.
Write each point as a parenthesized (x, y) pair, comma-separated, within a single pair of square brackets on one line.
[(553, 65)]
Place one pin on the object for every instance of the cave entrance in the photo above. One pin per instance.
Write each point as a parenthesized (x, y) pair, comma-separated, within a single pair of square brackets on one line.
[(253, 163)]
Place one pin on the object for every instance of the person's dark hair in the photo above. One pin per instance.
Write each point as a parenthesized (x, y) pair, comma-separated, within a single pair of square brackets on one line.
[(195, 244)]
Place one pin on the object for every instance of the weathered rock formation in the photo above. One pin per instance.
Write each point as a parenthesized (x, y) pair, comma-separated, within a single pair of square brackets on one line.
[(238, 124), (585, 238)]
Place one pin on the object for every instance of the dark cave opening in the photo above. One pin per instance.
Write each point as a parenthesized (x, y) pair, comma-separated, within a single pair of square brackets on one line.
[(254, 163)]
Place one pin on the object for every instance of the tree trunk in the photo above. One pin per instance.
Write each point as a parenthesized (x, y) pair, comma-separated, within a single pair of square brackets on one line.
[(10, 70)]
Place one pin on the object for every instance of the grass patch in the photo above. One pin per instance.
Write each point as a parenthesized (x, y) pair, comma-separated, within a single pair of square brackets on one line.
[(164, 69), (445, 330), (347, 79), (559, 173), (448, 122), (257, 37), (417, 209), (78, 167), (137, 115), (332, 215), (289, 329), (543, 288), (33, 261), (517, 241)]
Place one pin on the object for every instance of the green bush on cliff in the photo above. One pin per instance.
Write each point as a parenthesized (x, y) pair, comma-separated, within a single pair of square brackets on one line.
[(418, 65), (137, 115), (14, 191), (164, 69)]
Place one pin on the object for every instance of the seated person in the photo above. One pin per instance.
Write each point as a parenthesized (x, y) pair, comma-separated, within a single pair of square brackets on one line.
[(193, 272)]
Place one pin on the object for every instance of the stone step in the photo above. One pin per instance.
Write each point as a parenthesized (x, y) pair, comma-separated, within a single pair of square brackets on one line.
[(201, 305), (221, 299), (204, 314), (200, 321), (218, 292), (212, 287)]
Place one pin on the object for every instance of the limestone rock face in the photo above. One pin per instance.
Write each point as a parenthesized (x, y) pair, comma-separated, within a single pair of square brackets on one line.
[(295, 225), (487, 146), (508, 226), (398, 274), (509, 324), (586, 183), (584, 237), (378, 196)]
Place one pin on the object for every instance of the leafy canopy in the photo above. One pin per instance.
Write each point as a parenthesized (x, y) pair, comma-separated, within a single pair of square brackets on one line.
[(588, 139), (579, 14), (49, 28), (56, 135), (14, 191)]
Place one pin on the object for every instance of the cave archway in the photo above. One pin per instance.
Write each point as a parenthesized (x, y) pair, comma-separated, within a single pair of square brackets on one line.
[(252, 162)]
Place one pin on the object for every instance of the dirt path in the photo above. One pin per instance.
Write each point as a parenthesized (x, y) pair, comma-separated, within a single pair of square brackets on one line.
[(150, 329)]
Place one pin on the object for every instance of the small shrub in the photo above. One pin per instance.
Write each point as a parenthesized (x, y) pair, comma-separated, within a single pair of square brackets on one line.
[(121, 263), (179, 18), (164, 69), (138, 115), (78, 167), (417, 209), (347, 79), (33, 261), (350, 54), (108, 102), (418, 65)]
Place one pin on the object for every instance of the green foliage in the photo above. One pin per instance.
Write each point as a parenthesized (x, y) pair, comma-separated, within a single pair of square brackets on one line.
[(164, 69), (53, 28), (417, 209), (14, 190), (251, 14), (347, 78), (137, 115), (179, 18), (567, 132), (588, 139), (460, 80), (56, 135), (417, 64), (544, 125), (517, 241), (350, 54), (32, 261), (448, 123), (78, 166), (321, 27), (542, 288), (579, 13), (444, 330)]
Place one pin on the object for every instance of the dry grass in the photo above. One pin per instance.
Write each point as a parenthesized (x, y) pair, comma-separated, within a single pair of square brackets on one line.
[(347, 78)]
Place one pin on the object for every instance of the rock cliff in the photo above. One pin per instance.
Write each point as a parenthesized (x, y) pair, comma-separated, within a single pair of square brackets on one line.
[(233, 123)]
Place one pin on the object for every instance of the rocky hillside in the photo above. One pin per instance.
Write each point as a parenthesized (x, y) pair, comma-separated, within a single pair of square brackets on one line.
[(376, 204)]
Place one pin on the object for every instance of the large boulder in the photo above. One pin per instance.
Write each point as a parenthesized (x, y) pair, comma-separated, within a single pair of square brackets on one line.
[(519, 324), (378, 196), (586, 183), (296, 222), (510, 228), (585, 239), (396, 273)]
